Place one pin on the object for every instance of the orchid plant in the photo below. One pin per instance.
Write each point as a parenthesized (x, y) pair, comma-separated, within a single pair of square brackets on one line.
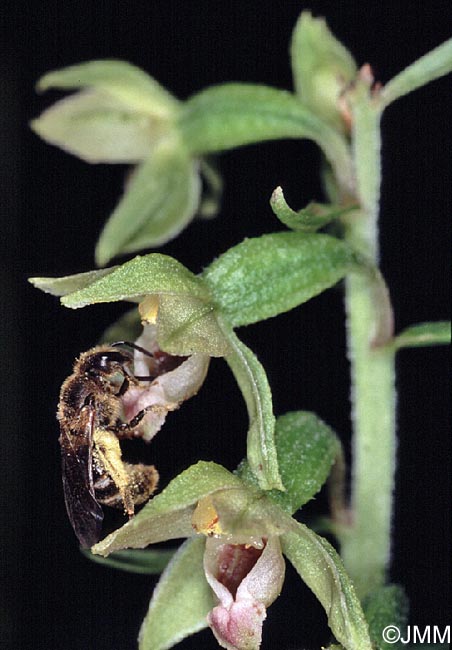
[(239, 524)]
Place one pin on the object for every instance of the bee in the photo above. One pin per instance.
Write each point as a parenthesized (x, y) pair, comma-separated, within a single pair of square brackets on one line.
[(91, 422)]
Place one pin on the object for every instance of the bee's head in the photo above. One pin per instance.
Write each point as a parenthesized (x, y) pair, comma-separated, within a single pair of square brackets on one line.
[(106, 365)]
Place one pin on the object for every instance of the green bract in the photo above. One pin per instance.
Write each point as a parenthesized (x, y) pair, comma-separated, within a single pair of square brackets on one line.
[(307, 449), (309, 219), (424, 334), (271, 274), (230, 115), (432, 65)]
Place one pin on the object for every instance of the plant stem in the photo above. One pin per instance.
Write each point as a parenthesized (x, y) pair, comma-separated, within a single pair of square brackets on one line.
[(366, 543), (366, 546)]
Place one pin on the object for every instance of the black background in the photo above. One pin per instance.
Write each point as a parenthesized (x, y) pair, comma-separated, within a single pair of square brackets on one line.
[(53, 206)]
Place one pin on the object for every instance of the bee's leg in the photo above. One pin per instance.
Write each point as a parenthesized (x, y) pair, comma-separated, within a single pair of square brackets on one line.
[(108, 458), (141, 483), (126, 429)]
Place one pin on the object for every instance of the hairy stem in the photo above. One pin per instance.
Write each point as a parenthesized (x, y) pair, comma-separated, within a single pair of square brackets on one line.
[(366, 543)]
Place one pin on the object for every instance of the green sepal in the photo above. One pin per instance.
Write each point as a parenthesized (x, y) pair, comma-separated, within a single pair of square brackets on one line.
[(432, 65), (424, 335), (142, 276), (169, 514), (271, 274), (119, 79), (160, 199), (70, 283), (387, 605), (309, 219), (180, 602), (253, 383), (99, 128), (307, 449), (322, 570), (322, 68), (230, 115), (149, 562)]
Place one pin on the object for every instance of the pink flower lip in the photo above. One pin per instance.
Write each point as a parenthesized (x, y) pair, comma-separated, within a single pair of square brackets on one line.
[(246, 578)]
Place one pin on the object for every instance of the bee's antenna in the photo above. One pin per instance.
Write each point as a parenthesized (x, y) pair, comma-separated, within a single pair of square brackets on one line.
[(134, 346)]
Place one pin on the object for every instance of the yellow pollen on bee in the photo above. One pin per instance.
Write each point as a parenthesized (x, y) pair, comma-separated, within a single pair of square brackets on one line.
[(107, 449)]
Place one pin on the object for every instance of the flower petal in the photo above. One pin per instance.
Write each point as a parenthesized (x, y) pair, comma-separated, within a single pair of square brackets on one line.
[(240, 627), (167, 391), (246, 578), (99, 128)]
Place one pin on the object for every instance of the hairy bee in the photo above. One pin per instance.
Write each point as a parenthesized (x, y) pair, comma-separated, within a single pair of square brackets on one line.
[(91, 421)]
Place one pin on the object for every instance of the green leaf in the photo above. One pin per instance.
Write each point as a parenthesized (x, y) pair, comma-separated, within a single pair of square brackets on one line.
[(386, 606), (127, 328), (308, 219), (322, 68), (149, 562), (253, 383), (424, 334), (186, 325), (432, 65), (99, 128), (119, 79), (271, 274), (142, 276), (69, 283), (161, 198), (307, 449), (180, 602), (230, 115), (322, 570), (169, 514)]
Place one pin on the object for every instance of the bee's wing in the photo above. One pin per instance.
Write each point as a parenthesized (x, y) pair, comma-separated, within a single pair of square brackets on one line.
[(85, 514)]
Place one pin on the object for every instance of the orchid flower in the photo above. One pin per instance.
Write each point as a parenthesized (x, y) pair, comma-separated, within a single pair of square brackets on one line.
[(231, 567), (122, 115), (246, 578), (181, 380)]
